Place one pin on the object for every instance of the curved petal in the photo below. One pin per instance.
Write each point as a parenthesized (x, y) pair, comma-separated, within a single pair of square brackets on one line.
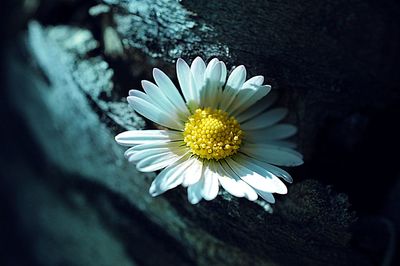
[(198, 68), (228, 183), (254, 81), (248, 97), (272, 183), (258, 107), (134, 137), (194, 192), (251, 84), (272, 168), (170, 91), (170, 177), (193, 173), (281, 143), (236, 78), (232, 87), (211, 90), (248, 191), (251, 91), (158, 161), (134, 154), (265, 120), (156, 145), (209, 68), (256, 177), (275, 132), (210, 184), (159, 99), (223, 74), (268, 197), (150, 111), (273, 154), (138, 94), (186, 82)]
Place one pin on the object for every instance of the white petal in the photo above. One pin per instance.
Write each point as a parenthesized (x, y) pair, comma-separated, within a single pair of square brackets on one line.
[(246, 92), (233, 85), (186, 82), (158, 161), (273, 169), (153, 113), (159, 99), (170, 177), (134, 137), (275, 132), (247, 97), (265, 120), (249, 88), (230, 184), (156, 145), (266, 196), (138, 153), (210, 184), (281, 143), (271, 182), (139, 94), (254, 81), (169, 89), (255, 177), (198, 68), (209, 68), (194, 192), (193, 173), (248, 191), (183, 73), (223, 74), (273, 154), (259, 107), (274, 147), (211, 90), (236, 78)]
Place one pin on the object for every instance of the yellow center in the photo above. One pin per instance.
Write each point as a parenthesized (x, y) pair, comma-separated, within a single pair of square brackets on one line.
[(212, 134)]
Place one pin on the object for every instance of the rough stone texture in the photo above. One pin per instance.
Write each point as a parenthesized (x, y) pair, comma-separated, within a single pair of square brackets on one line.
[(321, 55), (76, 143), (70, 198), (82, 157), (334, 63)]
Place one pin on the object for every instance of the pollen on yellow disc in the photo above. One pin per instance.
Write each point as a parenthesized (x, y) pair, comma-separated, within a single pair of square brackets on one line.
[(212, 134)]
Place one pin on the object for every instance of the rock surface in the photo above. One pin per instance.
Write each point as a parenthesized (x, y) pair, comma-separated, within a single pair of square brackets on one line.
[(71, 198)]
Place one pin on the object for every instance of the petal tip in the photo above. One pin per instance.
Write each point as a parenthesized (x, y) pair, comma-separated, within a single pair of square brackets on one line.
[(198, 58), (180, 61), (194, 201), (144, 82), (130, 100), (153, 191), (157, 72)]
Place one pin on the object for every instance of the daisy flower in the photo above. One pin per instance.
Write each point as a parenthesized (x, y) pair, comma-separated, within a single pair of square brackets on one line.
[(219, 133)]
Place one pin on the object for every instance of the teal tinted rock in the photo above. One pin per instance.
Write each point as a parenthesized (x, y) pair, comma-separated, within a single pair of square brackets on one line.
[(66, 123), (77, 192)]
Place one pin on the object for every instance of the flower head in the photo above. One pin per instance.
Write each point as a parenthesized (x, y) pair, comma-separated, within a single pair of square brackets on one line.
[(221, 132)]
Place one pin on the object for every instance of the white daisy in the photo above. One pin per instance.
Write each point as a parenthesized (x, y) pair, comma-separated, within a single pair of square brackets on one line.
[(218, 133)]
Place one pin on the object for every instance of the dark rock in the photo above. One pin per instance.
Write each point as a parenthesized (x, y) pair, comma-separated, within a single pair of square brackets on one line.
[(71, 198), (336, 56)]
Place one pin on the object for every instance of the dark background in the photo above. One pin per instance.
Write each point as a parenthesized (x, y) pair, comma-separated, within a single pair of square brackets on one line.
[(68, 197)]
